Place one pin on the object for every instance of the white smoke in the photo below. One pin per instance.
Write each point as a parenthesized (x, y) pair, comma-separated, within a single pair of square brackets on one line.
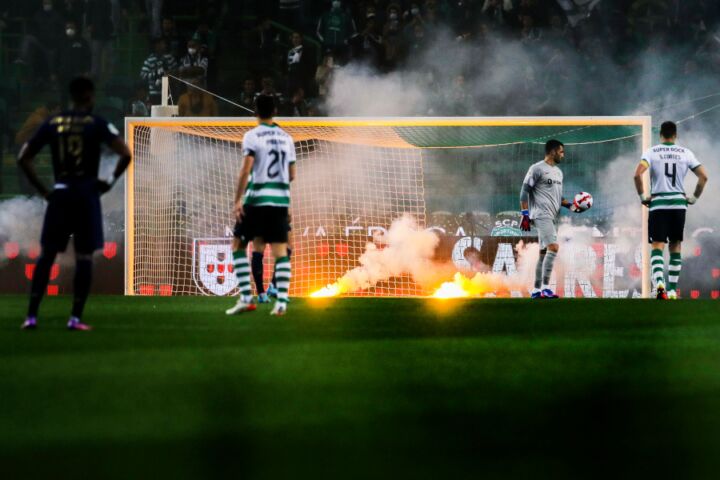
[(358, 91), (405, 249), (21, 222)]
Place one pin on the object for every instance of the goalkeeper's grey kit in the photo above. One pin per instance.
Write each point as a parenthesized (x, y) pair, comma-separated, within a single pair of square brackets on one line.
[(542, 189)]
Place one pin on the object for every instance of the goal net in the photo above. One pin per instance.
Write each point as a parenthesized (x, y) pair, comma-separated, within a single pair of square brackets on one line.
[(459, 177)]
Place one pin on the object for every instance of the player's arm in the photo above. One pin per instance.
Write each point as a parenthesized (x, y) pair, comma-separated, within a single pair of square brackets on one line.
[(25, 162), (524, 205), (639, 185), (701, 174), (243, 180), (27, 154), (120, 147), (292, 171)]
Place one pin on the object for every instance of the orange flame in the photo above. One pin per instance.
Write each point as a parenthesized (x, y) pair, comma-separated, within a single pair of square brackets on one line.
[(332, 290), (481, 285)]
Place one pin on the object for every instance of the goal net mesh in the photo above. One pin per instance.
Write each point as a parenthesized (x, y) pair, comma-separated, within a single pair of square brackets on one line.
[(354, 178)]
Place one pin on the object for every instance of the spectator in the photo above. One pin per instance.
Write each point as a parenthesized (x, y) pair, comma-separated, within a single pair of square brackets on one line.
[(298, 106), (291, 14), (498, 12), (263, 40), (45, 34), (119, 15), (413, 18), (335, 28), (173, 41), (529, 34), (34, 120), (247, 97), (74, 10), (153, 9), (206, 39), (431, 19), (392, 36), (558, 33), (268, 88), (196, 103), (300, 64), (28, 129), (101, 30), (367, 46), (323, 75), (157, 65), (458, 98), (194, 64), (417, 42), (139, 106), (73, 57)]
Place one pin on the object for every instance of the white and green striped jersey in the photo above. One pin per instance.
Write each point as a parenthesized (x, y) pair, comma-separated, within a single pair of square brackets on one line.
[(669, 164), (274, 152)]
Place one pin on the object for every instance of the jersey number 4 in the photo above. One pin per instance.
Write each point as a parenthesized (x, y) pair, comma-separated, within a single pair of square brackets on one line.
[(279, 157), (672, 174)]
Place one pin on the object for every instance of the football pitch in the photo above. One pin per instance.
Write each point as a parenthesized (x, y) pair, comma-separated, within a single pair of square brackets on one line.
[(362, 388)]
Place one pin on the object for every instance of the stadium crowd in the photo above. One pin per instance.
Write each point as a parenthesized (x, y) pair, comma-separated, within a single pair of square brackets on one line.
[(292, 49)]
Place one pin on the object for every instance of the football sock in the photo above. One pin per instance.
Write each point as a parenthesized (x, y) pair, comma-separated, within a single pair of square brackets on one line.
[(40, 279), (282, 273), (548, 266), (539, 270), (81, 285), (674, 270), (274, 279), (257, 271), (242, 272), (657, 265)]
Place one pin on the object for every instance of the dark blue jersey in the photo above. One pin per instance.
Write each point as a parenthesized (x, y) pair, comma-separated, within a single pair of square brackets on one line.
[(75, 139)]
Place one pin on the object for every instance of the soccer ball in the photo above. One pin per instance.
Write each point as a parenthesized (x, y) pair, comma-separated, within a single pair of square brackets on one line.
[(583, 201)]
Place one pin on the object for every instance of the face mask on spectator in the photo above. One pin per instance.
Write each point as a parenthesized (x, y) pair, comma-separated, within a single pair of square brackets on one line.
[(70, 32), (47, 8), (192, 51), (335, 5), (393, 16)]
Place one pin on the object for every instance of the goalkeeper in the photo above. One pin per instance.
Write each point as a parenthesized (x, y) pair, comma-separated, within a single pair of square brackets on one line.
[(540, 202)]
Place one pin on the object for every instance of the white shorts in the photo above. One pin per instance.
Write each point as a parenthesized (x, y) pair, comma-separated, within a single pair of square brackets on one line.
[(547, 231)]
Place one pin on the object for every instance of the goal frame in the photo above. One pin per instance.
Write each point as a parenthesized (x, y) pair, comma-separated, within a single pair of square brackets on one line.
[(644, 122)]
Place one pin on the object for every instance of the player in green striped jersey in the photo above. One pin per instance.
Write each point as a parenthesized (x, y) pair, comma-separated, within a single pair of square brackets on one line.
[(668, 163), (262, 200)]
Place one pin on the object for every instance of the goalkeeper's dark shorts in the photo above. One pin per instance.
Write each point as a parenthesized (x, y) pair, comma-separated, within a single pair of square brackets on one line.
[(666, 225), (268, 223)]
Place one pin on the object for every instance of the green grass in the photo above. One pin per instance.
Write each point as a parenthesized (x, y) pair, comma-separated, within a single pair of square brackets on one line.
[(357, 388)]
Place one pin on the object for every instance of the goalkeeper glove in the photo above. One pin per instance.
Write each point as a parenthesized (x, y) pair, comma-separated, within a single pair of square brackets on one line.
[(525, 222), (691, 200)]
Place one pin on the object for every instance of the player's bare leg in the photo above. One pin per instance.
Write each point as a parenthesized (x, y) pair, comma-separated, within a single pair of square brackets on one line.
[(242, 272), (283, 274), (657, 267), (674, 269)]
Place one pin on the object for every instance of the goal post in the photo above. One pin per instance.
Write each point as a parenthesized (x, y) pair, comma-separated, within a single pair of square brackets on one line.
[(355, 175)]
